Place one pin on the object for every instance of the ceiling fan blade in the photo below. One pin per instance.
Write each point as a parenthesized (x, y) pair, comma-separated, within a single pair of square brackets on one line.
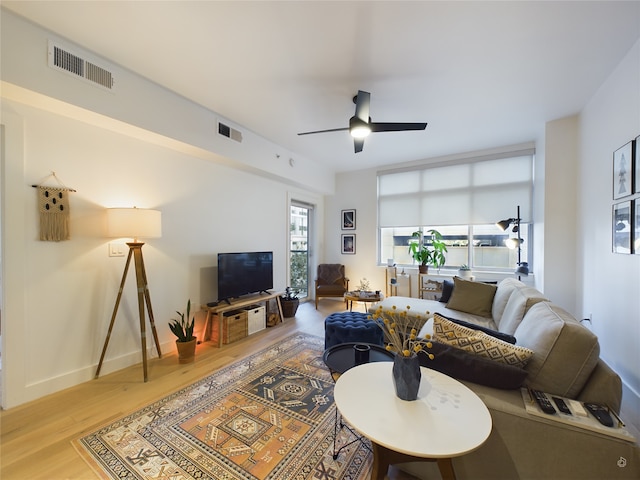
[(362, 101), (396, 127), (358, 144), (325, 131)]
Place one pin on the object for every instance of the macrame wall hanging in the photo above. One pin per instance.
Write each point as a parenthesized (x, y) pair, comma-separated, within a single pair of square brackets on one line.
[(53, 210)]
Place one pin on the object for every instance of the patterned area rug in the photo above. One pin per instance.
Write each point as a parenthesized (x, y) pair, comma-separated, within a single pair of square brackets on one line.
[(269, 416)]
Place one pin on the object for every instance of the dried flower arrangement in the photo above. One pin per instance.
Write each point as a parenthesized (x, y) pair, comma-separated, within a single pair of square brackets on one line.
[(401, 331)]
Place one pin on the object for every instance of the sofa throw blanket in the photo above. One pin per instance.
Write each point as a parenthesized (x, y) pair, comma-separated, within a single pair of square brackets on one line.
[(329, 273), (53, 208)]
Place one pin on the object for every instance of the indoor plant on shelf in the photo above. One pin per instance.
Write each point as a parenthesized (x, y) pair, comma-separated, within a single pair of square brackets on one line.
[(183, 330), (464, 271), (289, 302), (425, 254)]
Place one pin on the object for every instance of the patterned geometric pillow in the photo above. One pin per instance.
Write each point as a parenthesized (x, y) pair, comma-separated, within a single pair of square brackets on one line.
[(479, 343)]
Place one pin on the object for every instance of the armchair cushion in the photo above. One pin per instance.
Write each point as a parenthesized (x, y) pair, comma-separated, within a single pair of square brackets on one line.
[(330, 273)]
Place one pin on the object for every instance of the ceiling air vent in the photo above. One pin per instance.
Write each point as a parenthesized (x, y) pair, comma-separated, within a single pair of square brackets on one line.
[(229, 132), (62, 59)]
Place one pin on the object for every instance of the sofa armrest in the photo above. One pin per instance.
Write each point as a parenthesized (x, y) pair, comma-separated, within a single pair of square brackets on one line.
[(603, 386)]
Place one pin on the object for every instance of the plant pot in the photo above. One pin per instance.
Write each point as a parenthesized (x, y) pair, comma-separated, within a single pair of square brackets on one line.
[(423, 268), (464, 273), (187, 350), (289, 307), (406, 376)]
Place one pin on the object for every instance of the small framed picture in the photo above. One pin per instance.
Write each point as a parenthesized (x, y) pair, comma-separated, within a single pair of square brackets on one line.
[(622, 170), (348, 219), (636, 165), (621, 223), (349, 244), (635, 224)]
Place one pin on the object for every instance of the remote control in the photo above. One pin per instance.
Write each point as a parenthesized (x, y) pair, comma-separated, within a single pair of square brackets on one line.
[(601, 414), (543, 402), (562, 406)]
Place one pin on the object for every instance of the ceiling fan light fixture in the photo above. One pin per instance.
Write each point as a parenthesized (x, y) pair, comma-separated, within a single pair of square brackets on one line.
[(358, 128)]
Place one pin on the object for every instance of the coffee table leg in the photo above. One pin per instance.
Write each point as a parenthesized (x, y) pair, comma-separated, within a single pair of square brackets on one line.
[(446, 469), (380, 462), (384, 457)]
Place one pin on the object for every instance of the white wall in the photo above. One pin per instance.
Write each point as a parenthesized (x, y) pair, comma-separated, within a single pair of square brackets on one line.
[(558, 234), (56, 327), (608, 283), (140, 145)]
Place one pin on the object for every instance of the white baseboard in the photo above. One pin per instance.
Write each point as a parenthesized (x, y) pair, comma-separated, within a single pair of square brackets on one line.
[(630, 410), (48, 386)]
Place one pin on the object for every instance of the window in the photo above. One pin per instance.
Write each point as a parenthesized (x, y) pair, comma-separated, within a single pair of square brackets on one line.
[(462, 200)]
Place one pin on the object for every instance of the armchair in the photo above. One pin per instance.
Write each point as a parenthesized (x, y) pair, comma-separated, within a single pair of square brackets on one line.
[(331, 281)]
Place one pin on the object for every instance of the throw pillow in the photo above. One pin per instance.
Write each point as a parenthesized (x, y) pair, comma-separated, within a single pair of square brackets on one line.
[(447, 290), (465, 366), (505, 337), (472, 297), (479, 343)]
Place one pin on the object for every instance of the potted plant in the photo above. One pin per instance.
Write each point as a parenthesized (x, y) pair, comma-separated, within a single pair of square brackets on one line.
[(464, 271), (425, 254), (183, 330), (289, 302)]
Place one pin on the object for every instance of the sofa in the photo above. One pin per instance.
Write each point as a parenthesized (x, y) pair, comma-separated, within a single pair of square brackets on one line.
[(547, 349)]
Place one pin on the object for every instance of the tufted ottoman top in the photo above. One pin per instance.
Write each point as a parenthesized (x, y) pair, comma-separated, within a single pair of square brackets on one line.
[(347, 327)]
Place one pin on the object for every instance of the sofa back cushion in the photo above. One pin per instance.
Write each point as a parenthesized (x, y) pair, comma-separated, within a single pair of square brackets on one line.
[(565, 352), (505, 288), (522, 298), (472, 297)]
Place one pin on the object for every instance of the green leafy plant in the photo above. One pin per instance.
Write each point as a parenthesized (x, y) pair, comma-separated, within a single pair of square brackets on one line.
[(289, 294), (464, 267), (428, 254), (181, 328)]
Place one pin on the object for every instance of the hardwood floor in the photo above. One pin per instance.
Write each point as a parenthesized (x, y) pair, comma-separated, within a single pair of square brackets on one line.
[(35, 438)]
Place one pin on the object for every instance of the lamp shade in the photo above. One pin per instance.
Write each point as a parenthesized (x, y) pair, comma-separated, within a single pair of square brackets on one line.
[(504, 224), (134, 222)]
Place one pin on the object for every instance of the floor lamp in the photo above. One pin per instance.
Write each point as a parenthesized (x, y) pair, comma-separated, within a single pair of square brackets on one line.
[(523, 267), (134, 223)]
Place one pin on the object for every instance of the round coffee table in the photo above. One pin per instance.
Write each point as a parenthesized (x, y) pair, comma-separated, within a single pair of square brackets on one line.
[(447, 420), (351, 297)]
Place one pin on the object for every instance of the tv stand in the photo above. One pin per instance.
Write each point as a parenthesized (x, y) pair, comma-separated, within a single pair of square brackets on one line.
[(233, 304)]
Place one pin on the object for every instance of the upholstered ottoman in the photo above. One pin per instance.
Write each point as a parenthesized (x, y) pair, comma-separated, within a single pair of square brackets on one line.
[(346, 327)]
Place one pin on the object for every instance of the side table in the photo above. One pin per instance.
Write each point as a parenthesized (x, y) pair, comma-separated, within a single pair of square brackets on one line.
[(351, 297), (341, 358)]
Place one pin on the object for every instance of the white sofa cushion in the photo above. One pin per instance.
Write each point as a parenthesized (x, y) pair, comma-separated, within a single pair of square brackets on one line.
[(565, 352), (503, 292), (520, 301)]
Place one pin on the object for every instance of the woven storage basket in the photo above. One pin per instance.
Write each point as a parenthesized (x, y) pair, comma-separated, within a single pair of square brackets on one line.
[(234, 326)]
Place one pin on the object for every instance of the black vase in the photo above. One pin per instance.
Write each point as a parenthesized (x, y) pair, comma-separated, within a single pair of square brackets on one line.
[(406, 376)]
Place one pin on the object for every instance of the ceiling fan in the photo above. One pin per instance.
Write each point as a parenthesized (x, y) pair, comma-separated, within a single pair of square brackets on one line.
[(360, 125)]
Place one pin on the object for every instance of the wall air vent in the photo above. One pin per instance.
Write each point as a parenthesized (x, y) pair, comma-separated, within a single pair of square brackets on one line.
[(62, 59), (227, 131)]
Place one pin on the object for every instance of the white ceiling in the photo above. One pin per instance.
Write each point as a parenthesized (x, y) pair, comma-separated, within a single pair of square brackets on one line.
[(482, 74)]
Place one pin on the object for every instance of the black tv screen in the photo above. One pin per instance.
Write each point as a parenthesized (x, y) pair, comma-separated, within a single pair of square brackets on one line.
[(243, 273)]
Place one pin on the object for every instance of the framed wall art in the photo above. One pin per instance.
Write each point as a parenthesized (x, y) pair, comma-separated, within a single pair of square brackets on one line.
[(348, 244), (348, 219), (636, 165), (635, 225), (621, 227), (622, 170)]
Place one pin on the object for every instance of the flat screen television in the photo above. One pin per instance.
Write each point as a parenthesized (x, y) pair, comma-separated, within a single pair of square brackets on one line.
[(243, 273)]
